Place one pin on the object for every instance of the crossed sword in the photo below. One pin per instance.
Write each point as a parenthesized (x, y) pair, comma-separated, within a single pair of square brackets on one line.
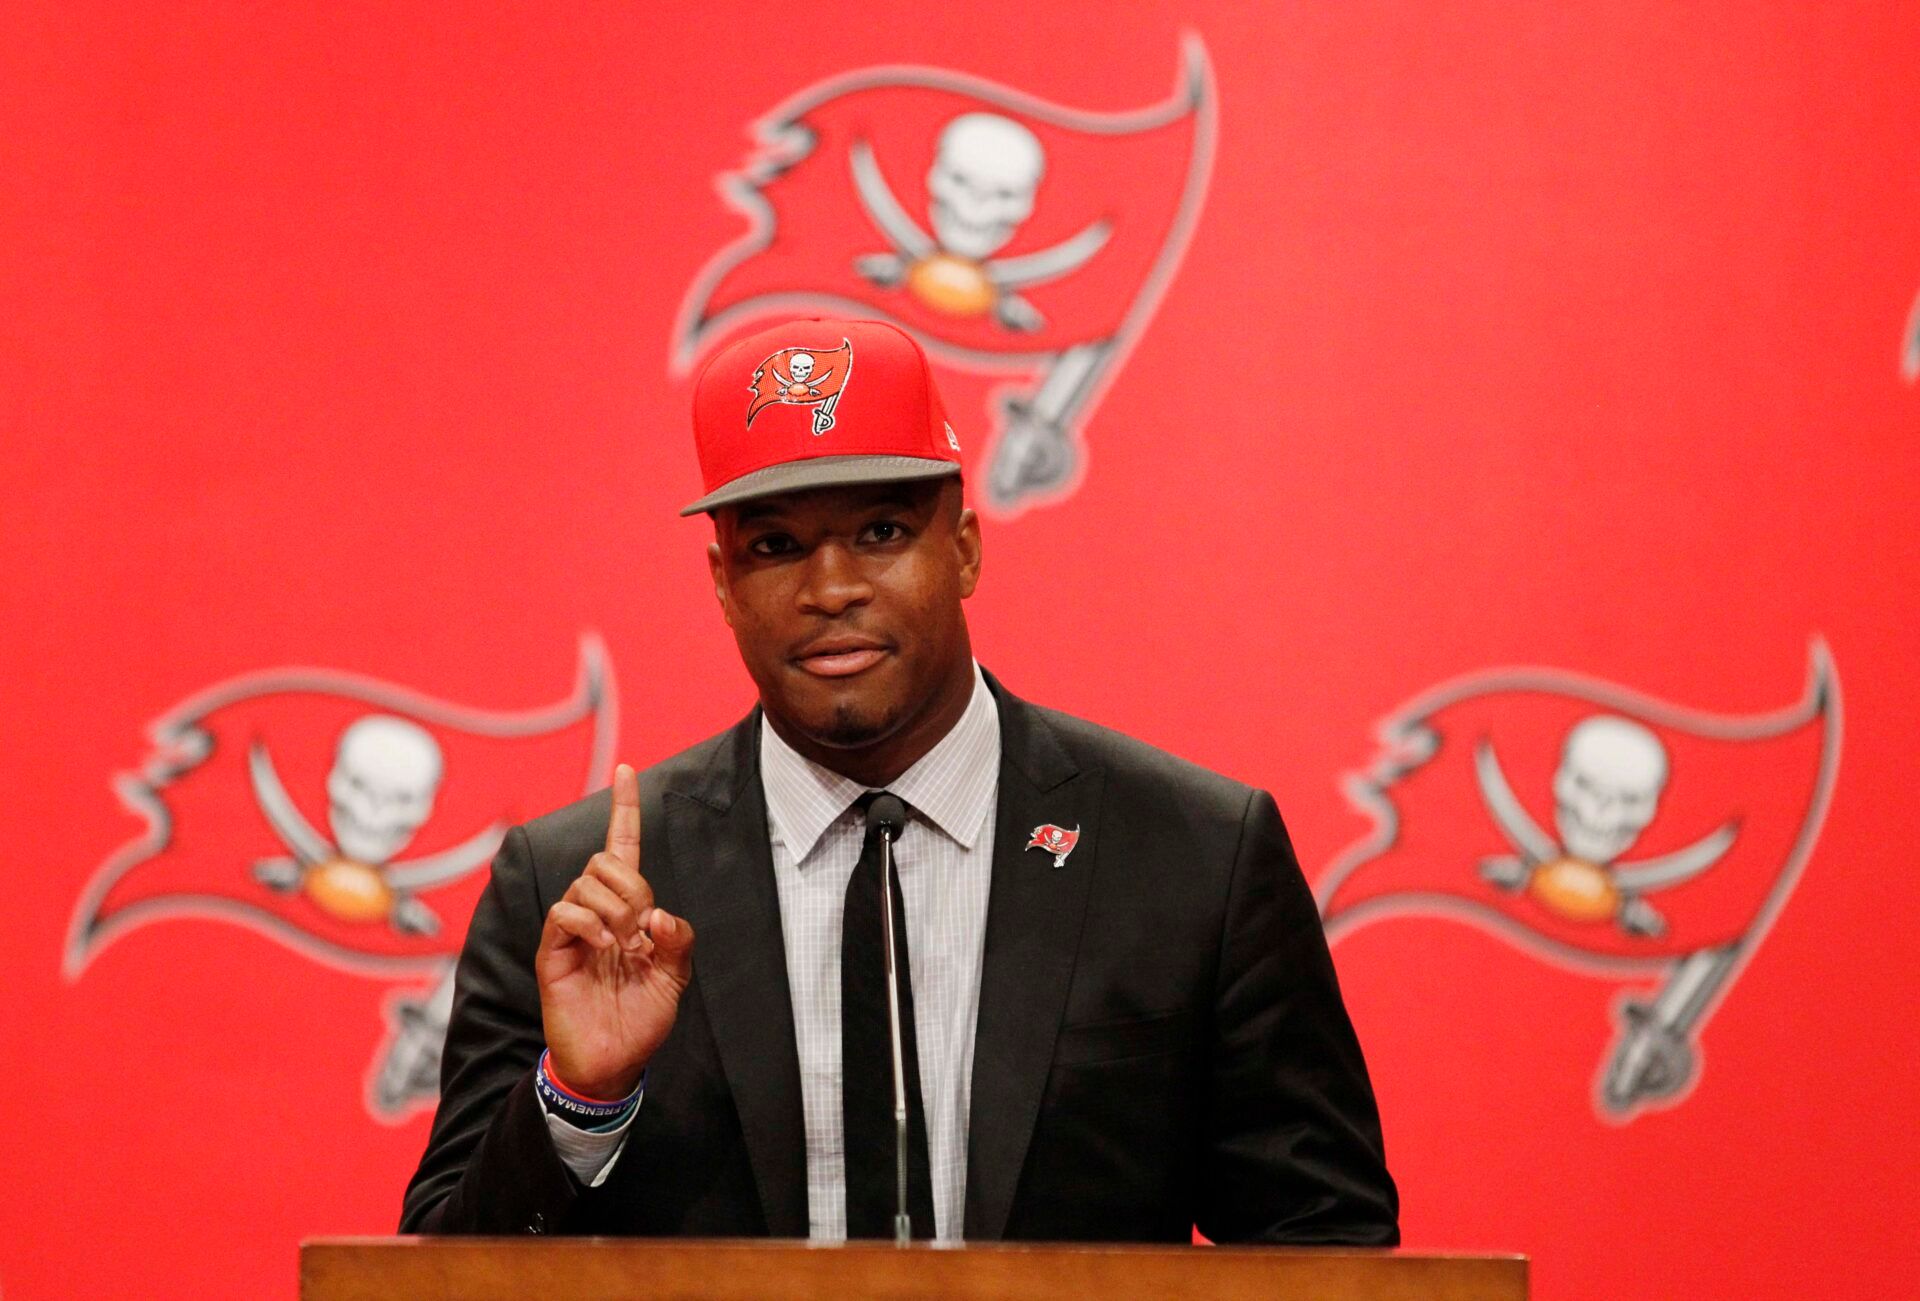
[(308, 849), (1035, 452), (823, 413), (1653, 1056), (409, 1070)]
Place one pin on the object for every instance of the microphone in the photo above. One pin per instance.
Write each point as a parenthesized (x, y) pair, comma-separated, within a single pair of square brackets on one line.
[(889, 813)]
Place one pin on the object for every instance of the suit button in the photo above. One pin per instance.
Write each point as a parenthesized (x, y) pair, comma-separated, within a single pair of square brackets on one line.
[(538, 1224)]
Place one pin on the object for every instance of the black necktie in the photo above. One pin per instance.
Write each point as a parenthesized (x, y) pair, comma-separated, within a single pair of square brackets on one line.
[(866, 1059)]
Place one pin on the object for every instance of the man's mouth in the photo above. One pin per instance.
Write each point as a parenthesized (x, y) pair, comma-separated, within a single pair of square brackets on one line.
[(840, 657)]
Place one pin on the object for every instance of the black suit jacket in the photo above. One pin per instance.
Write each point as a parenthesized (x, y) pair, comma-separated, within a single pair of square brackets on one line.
[(1161, 1041)]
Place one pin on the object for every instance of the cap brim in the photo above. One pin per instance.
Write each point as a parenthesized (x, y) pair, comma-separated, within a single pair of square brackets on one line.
[(822, 472)]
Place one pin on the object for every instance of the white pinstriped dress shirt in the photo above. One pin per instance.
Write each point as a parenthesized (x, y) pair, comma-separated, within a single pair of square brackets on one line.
[(945, 861)]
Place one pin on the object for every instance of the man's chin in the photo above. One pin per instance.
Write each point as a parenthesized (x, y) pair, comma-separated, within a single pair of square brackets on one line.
[(846, 722), (845, 713), (849, 727)]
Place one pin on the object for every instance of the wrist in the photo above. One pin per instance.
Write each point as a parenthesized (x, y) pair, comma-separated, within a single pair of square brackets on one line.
[(592, 1102)]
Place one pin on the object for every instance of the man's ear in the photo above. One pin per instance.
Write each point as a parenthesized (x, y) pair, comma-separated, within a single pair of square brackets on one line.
[(966, 540), (719, 572)]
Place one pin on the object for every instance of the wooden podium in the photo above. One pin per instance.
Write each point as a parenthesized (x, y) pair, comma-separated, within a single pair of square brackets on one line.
[(589, 1269)]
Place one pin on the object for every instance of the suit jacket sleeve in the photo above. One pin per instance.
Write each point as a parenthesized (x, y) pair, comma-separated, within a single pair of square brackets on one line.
[(490, 1164), (1293, 1151)]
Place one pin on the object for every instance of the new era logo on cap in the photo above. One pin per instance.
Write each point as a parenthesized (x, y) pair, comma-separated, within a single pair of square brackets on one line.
[(814, 404)]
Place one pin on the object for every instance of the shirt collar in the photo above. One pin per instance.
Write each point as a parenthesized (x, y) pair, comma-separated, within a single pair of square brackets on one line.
[(952, 785)]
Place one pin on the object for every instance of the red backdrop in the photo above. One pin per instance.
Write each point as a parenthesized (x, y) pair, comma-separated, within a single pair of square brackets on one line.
[(1461, 373)]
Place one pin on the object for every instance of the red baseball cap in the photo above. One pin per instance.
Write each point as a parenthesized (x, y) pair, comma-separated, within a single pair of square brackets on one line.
[(817, 403)]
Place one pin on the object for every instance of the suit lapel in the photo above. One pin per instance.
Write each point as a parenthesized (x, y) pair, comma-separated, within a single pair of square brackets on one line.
[(1034, 912), (717, 829)]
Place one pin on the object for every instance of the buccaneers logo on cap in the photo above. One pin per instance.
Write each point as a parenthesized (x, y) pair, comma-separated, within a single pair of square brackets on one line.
[(1602, 831), (803, 377)]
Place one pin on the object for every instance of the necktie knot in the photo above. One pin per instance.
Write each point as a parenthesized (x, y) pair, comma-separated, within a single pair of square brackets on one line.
[(882, 810), (865, 802)]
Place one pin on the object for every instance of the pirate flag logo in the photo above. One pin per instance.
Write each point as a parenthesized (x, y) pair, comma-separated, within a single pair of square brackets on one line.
[(802, 377), (1012, 236), (1602, 831), (1056, 840), (348, 819)]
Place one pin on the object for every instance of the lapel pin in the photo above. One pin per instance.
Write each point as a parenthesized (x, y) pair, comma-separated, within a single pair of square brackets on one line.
[(1057, 841)]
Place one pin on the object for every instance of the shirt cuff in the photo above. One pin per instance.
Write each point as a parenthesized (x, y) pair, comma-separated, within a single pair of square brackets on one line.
[(588, 1150), (589, 1153)]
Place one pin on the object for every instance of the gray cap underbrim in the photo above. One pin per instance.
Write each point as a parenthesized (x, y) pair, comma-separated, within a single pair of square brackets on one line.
[(822, 472)]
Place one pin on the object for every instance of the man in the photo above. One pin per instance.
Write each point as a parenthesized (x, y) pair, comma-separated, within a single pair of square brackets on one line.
[(1118, 1012)]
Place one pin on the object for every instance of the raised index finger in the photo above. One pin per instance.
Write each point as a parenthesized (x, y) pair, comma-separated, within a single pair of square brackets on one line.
[(623, 828)]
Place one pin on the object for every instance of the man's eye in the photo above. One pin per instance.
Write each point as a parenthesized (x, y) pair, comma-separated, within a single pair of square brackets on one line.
[(773, 544), (885, 530)]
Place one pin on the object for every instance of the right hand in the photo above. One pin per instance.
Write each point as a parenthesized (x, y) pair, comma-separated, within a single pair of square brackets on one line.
[(611, 966)]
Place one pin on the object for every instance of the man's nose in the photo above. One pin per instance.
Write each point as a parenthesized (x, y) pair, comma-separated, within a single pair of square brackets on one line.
[(833, 581)]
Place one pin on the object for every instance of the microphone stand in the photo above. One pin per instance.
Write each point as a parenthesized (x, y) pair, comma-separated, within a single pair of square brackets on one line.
[(902, 1222)]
